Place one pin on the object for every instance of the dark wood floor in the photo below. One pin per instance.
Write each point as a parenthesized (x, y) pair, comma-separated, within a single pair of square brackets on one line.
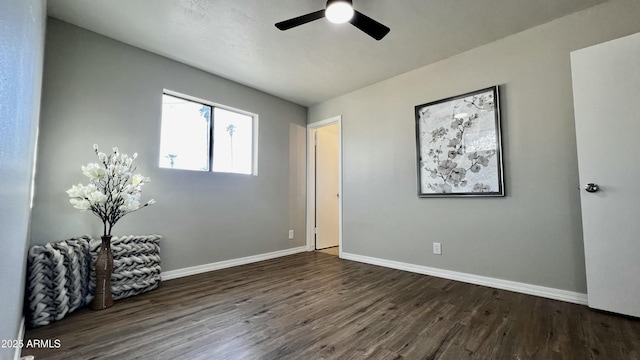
[(316, 306)]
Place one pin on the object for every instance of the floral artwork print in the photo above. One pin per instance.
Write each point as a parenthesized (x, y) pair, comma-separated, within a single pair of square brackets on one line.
[(459, 146)]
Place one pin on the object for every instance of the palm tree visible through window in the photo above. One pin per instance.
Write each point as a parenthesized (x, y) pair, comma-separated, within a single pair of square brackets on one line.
[(230, 129)]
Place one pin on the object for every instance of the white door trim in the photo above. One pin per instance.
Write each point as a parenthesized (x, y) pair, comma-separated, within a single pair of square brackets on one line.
[(311, 188)]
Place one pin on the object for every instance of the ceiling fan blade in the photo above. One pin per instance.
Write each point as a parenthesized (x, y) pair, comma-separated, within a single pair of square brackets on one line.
[(369, 26), (300, 20)]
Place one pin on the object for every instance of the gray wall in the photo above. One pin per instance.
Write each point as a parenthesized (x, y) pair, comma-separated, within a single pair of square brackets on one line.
[(533, 235), (97, 90), (22, 28)]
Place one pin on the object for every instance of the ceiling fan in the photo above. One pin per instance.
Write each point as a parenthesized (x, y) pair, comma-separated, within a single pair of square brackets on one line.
[(340, 11)]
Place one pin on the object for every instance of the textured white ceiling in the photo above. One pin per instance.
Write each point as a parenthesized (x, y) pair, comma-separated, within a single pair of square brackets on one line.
[(237, 39)]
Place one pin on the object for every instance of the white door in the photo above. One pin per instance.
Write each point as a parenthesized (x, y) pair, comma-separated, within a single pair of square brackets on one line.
[(606, 90), (327, 189)]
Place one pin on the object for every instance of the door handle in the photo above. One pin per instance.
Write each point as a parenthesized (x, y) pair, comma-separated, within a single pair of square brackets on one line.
[(591, 187)]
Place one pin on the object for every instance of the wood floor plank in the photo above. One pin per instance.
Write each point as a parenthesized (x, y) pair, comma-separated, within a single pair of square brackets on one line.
[(317, 306)]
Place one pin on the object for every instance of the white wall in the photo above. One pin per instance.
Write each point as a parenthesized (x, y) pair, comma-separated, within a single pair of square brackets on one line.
[(534, 234), (22, 28), (97, 90)]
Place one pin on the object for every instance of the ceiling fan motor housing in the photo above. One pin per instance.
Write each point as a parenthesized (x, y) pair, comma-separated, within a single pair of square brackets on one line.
[(329, 2)]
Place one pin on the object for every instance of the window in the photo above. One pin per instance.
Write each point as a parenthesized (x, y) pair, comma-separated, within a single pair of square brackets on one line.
[(199, 136)]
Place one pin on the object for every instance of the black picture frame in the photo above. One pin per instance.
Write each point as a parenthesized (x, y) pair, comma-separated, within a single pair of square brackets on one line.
[(459, 146)]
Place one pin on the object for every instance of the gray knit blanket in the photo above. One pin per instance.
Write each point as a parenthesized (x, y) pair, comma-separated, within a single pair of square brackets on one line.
[(60, 276)]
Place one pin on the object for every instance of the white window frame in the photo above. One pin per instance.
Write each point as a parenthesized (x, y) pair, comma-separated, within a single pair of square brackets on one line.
[(254, 127)]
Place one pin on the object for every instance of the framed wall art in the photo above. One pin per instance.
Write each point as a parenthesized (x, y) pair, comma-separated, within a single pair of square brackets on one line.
[(459, 149)]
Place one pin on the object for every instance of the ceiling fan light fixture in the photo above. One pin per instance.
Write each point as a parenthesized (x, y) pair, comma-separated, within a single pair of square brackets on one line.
[(339, 11)]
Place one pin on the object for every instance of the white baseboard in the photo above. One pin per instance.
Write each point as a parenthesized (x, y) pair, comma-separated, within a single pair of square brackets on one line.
[(545, 292), (193, 270), (17, 354)]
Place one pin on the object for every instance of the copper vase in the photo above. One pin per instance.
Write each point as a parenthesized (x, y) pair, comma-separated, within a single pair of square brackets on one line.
[(104, 268)]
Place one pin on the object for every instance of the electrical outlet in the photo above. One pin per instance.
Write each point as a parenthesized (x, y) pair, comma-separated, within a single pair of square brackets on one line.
[(437, 248), (290, 234)]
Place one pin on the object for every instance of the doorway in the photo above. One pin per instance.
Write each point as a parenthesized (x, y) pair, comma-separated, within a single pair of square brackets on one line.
[(324, 186)]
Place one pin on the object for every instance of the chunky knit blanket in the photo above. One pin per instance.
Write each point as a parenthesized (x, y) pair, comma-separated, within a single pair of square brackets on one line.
[(136, 264), (60, 276)]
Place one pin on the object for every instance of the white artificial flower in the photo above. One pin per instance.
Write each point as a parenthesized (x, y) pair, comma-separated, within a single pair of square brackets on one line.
[(102, 157), (151, 202), (137, 179), (76, 191), (131, 203), (80, 204), (97, 197), (117, 170), (93, 171), (95, 147), (89, 189)]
